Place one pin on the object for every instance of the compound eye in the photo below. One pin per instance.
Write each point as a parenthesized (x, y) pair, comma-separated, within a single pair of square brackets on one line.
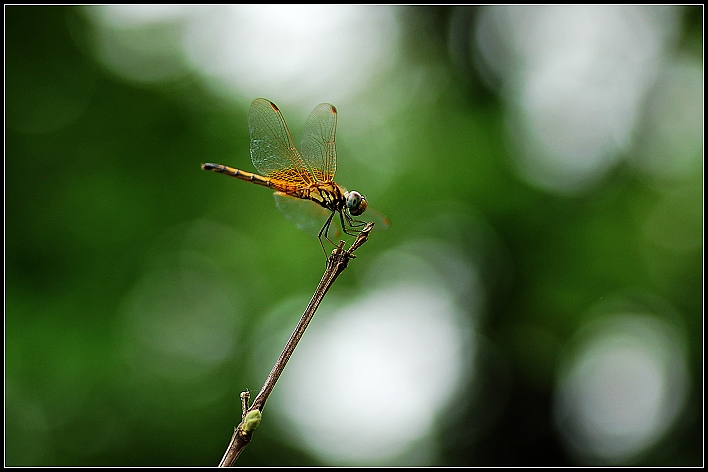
[(356, 203)]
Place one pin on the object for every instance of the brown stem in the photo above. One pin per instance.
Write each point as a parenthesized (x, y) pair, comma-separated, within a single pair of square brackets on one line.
[(336, 264)]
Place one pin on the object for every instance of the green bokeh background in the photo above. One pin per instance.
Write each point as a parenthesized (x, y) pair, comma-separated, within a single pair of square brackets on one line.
[(103, 186)]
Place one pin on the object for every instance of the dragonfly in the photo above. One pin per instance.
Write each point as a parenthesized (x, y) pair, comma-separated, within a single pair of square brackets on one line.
[(305, 190)]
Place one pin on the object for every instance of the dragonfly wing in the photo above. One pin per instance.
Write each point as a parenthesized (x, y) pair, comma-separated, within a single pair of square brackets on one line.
[(307, 215), (318, 147), (273, 152), (381, 222)]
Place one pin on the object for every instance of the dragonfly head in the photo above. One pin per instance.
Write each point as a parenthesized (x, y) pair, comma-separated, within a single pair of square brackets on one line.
[(356, 203)]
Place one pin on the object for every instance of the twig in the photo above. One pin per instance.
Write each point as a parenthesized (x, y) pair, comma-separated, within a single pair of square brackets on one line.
[(251, 416)]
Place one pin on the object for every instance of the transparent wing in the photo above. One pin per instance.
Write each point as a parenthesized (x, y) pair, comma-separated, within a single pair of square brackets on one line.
[(307, 215), (318, 148), (381, 222), (273, 152)]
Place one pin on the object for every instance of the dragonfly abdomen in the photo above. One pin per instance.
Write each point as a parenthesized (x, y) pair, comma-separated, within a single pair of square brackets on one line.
[(239, 174)]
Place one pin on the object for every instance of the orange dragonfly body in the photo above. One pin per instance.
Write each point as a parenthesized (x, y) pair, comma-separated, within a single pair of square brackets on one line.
[(306, 177)]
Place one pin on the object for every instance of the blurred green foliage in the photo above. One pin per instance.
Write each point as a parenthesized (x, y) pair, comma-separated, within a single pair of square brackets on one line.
[(102, 183)]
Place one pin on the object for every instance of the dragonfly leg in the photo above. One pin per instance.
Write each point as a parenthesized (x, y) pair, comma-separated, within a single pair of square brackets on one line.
[(351, 223), (350, 226), (325, 231), (346, 225)]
